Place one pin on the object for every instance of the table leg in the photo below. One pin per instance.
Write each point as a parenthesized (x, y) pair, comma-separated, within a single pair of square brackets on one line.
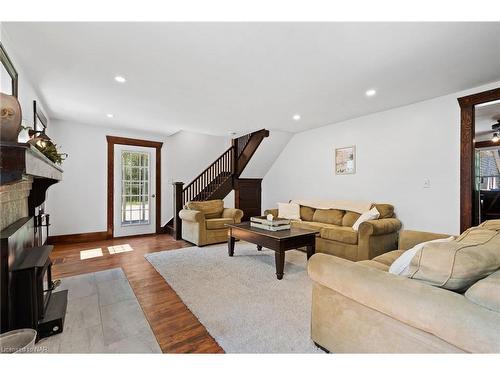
[(279, 258), (259, 248), (230, 245), (311, 249)]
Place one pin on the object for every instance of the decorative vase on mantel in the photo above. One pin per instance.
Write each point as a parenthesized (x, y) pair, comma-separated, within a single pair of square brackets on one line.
[(11, 116)]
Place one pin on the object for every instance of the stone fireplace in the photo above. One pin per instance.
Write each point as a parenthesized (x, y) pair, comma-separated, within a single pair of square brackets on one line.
[(25, 176), (14, 201)]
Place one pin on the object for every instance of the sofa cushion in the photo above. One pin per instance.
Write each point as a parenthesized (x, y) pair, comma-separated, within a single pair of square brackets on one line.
[(289, 211), (211, 209), (307, 213), (328, 216), (388, 258), (218, 223), (350, 218), (385, 210), (458, 264), (310, 225), (340, 234), (373, 264), (486, 292)]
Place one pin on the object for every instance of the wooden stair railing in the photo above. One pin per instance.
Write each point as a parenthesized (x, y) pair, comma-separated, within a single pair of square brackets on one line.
[(247, 147), (218, 179), (206, 184)]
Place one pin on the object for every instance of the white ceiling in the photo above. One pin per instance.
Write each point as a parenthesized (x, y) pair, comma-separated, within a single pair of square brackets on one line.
[(222, 77)]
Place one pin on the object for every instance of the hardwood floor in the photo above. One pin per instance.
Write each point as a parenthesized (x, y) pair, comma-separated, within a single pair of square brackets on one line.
[(176, 329)]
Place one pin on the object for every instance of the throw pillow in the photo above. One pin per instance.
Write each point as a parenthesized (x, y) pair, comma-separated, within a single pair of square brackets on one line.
[(289, 211), (212, 209), (458, 264), (401, 265), (368, 215)]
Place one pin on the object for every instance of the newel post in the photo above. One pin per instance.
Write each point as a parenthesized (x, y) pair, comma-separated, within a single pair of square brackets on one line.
[(234, 159), (178, 204)]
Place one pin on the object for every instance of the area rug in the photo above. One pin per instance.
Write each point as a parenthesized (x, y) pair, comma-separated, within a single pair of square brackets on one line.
[(239, 300)]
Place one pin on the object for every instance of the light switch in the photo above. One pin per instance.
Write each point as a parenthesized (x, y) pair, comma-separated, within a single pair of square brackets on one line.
[(427, 183)]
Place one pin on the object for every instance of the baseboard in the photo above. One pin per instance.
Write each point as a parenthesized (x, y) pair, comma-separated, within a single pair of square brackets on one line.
[(92, 236), (78, 237)]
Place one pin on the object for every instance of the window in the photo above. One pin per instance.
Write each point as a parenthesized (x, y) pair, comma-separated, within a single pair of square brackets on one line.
[(135, 188), (489, 169)]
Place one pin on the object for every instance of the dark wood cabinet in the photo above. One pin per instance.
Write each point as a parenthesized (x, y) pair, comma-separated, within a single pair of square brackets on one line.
[(248, 197)]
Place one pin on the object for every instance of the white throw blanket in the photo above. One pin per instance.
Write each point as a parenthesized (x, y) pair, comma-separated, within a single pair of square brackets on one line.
[(354, 206)]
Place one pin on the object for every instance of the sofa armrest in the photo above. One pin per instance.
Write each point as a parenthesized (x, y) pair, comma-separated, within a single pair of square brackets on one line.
[(443, 313), (376, 237), (272, 211), (233, 213), (192, 215), (379, 226), (410, 238)]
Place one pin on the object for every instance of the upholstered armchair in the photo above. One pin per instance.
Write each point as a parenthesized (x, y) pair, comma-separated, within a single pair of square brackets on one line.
[(203, 223)]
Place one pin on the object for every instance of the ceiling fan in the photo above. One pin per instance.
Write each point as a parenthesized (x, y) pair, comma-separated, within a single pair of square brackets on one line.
[(496, 130)]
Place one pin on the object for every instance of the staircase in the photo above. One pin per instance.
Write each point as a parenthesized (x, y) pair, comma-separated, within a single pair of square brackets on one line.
[(218, 179)]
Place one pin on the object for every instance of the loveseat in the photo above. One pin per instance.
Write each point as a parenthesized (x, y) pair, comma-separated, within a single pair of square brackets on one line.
[(337, 237), (203, 222), (359, 307)]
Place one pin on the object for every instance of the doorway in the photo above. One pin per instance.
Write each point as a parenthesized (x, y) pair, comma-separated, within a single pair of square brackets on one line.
[(134, 187), (135, 196), (477, 177), (487, 162)]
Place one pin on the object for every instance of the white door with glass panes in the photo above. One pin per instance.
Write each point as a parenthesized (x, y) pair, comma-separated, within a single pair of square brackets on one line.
[(134, 190)]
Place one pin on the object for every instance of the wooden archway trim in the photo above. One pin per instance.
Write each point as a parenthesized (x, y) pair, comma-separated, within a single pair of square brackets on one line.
[(112, 141), (467, 132)]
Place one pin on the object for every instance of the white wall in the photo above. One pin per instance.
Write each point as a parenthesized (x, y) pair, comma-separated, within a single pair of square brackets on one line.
[(266, 154), (26, 90), (78, 203), (188, 154), (396, 151)]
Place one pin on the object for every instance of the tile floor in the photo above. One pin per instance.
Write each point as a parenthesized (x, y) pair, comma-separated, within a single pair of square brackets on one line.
[(103, 316)]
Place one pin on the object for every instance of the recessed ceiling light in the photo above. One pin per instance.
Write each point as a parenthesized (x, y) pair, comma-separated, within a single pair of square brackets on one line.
[(296, 117), (120, 79), (109, 115), (370, 92)]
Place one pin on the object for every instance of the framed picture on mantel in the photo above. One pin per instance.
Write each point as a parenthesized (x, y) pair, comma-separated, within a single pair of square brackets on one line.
[(7, 69), (345, 160)]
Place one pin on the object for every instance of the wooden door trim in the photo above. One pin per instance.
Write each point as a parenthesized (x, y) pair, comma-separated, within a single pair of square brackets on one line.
[(112, 141), (467, 132), (486, 144)]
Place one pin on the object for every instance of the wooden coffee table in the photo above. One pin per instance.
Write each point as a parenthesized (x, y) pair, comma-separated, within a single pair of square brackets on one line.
[(280, 241)]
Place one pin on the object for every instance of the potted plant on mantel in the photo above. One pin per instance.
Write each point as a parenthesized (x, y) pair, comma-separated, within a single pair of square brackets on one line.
[(48, 148)]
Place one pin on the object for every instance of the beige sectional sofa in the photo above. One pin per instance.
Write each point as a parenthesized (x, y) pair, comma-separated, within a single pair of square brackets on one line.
[(203, 222), (359, 307), (337, 237)]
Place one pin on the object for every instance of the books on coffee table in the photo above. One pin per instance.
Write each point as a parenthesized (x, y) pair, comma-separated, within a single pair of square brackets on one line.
[(274, 225)]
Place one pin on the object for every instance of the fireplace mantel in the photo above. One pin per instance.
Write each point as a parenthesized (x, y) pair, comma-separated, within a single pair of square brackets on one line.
[(22, 159), (25, 176)]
